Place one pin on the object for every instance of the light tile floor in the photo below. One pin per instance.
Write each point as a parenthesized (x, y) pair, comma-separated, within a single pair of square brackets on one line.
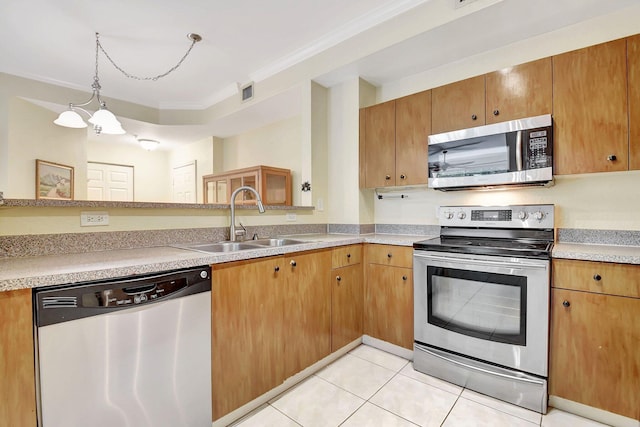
[(369, 387)]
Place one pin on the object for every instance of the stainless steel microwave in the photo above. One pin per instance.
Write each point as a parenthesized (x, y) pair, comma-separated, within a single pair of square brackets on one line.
[(518, 152)]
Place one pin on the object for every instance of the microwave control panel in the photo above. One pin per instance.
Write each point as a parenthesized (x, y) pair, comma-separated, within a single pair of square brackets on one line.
[(539, 148)]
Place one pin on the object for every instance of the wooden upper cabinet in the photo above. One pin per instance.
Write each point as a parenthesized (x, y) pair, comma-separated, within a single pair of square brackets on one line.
[(362, 159), (413, 126), (633, 62), (458, 105), (590, 109), (380, 146), (521, 91)]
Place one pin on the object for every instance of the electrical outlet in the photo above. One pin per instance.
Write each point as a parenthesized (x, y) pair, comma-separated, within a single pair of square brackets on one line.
[(320, 205), (291, 217), (88, 219)]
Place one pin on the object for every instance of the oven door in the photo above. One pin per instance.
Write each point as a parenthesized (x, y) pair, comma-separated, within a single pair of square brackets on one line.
[(490, 308)]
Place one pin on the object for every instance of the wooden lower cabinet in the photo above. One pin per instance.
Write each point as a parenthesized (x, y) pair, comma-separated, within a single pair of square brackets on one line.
[(594, 356), (307, 310), (388, 303), (17, 372), (247, 328), (347, 302)]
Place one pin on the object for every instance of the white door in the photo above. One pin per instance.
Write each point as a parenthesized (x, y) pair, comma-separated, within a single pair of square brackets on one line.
[(109, 182), (184, 183)]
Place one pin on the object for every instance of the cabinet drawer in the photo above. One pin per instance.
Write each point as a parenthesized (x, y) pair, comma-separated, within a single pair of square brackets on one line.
[(346, 255), (599, 277), (398, 256)]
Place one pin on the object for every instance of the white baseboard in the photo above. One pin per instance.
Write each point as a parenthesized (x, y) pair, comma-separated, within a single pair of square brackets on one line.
[(388, 347), (592, 413)]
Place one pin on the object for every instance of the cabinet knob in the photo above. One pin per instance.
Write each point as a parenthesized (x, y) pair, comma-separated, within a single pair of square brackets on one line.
[(403, 176), (612, 158), (389, 255), (496, 112), (348, 255), (474, 117), (338, 278), (293, 263), (404, 278), (597, 277), (276, 269), (566, 303), (387, 177)]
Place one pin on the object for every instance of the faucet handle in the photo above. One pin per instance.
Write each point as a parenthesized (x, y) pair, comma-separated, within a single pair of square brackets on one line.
[(242, 232)]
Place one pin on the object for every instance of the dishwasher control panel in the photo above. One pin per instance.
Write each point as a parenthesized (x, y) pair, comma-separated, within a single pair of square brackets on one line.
[(57, 304)]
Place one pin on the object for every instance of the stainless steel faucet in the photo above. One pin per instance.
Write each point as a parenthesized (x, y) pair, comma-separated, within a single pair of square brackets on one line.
[(232, 229)]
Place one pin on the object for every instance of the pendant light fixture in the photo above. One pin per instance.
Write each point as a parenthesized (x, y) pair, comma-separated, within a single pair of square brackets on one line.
[(103, 120)]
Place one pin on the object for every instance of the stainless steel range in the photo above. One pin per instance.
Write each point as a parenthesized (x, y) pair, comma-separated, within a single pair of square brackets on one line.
[(482, 301)]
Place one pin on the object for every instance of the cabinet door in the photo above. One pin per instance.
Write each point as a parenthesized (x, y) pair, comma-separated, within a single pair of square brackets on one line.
[(380, 146), (458, 105), (590, 109), (388, 305), (307, 310), (633, 61), (347, 301), (17, 387), (247, 350), (521, 91), (413, 126), (594, 357), (362, 157)]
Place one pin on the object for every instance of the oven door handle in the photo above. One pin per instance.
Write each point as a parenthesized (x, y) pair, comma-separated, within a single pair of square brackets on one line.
[(518, 265), (480, 369)]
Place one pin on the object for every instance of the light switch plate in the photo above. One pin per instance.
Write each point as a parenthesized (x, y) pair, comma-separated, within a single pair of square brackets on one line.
[(291, 217)]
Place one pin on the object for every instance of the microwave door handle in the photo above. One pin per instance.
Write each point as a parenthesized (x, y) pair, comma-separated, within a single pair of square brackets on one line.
[(514, 266), (519, 150)]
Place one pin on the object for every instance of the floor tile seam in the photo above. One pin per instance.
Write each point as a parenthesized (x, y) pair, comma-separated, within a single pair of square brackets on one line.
[(391, 412), (341, 388), (499, 410), (434, 386), (451, 409), (296, 422), (369, 361), (353, 413), (407, 361)]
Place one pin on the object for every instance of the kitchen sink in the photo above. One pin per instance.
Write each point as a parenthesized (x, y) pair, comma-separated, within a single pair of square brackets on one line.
[(222, 247), (276, 242), (227, 246)]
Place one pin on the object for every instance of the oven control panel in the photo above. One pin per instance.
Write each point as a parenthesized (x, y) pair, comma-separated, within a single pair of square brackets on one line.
[(514, 216)]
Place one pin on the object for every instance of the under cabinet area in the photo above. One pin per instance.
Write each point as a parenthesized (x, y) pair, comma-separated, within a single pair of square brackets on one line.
[(273, 185), (388, 312), (17, 387), (595, 335)]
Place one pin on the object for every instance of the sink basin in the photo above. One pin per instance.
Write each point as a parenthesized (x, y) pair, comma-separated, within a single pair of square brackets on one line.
[(222, 247), (276, 242)]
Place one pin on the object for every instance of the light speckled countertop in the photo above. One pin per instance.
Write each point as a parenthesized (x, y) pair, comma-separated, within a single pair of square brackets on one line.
[(590, 252), (33, 272)]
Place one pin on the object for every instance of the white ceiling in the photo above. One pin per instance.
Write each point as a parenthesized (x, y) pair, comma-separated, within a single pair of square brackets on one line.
[(250, 40)]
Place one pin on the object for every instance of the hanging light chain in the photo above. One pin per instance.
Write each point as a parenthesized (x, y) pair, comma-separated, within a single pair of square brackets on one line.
[(195, 38)]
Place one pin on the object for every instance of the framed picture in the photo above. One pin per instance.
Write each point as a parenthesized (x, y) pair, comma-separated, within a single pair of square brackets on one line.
[(53, 181)]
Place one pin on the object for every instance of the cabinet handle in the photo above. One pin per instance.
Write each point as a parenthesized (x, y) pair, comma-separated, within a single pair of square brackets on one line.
[(403, 176), (276, 269), (293, 263), (612, 157), (597, 277), (387, 177), (348, 255), (404, 278), (474, 117), (566, 303), (389, 255), (338, 278), (496, 112)]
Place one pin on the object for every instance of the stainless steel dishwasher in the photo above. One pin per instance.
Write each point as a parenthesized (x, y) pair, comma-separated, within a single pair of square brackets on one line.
[(129, 352)]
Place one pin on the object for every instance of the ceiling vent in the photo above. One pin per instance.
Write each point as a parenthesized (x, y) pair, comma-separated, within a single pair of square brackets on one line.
[(459, 3), (246, 92)]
